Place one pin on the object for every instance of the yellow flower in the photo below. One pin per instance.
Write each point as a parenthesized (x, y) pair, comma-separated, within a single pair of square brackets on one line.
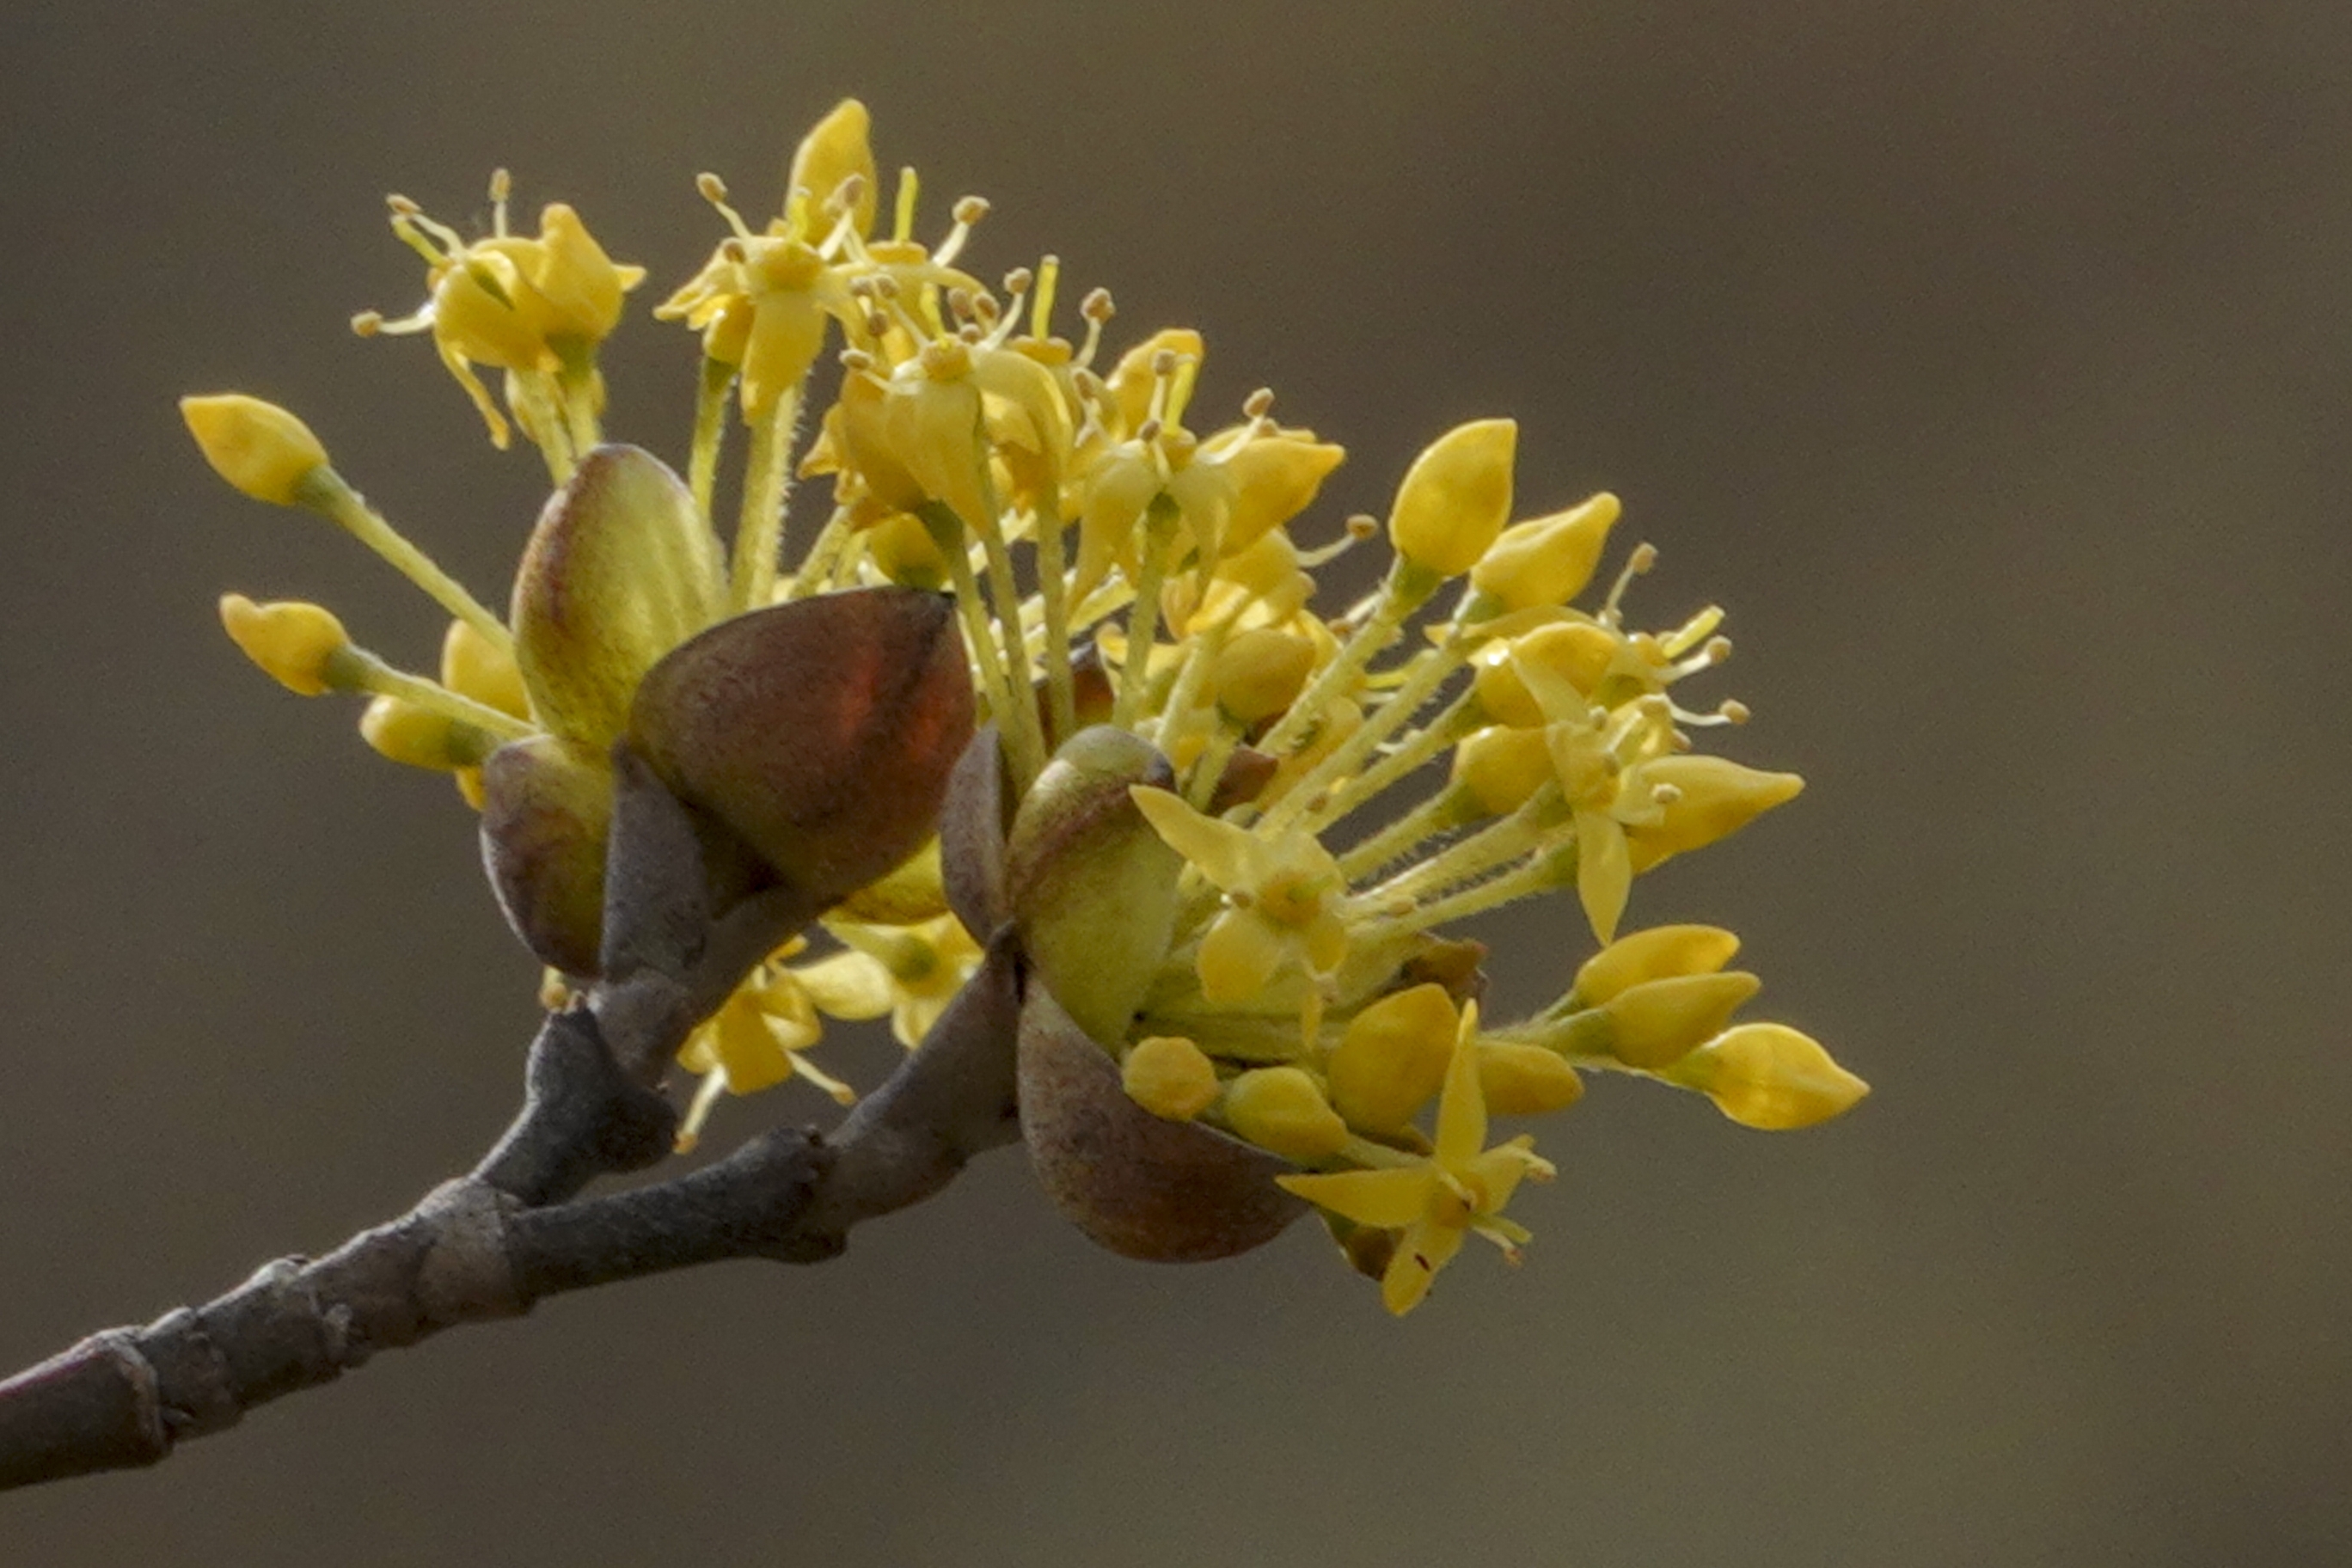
[(527, 305), (1437, 1201), (1284, 895), (910, 972)]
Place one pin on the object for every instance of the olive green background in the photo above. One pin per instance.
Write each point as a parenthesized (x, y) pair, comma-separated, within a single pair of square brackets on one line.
[(1989, 361)]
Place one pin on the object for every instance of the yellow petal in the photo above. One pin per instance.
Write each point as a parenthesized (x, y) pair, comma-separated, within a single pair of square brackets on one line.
[(1604, 870), (1428, 1247), (1386, 1200), (836, 148), (1462, 1111), (848, 985), (1714, 796), (1228, 856)]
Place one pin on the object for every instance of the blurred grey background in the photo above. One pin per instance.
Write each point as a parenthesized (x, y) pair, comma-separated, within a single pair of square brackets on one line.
[(1990, 361)]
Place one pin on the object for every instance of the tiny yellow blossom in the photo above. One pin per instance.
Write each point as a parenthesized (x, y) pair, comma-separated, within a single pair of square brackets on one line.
[(294, 643), (1283, 897), (1436, 1201), (1521, 1080), (1259, 673), (257, 446)]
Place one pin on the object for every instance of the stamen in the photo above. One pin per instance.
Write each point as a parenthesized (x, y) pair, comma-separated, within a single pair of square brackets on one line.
[(501, 189), (1098, 310), (713, 189), (969, 210), (1645, 556)]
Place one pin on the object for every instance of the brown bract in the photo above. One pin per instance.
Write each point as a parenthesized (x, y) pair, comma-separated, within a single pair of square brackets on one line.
[(1164, 1192), (821, 731)]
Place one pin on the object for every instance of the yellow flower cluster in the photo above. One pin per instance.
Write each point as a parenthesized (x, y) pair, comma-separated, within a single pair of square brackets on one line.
[(1285, 980)]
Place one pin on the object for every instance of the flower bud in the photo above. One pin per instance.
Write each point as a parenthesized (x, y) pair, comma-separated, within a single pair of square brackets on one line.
[(1092, 886), (1275, 477), (294, 643), (836, 148), (1526, 1081), (420, 738), (1455, 497), (1657, 954), (819, 732), (1500, 768), (1131, 380), (903, 551), (578, 286), (1169, 1076), (1768, 1075), (257, 446), (1260, 672), (1281, 1109), (1713, 798), (1549, 560), (546, 808), (1393, 1058), (620, 569), (1168, 1191), (474, 666), (1659, 1022)]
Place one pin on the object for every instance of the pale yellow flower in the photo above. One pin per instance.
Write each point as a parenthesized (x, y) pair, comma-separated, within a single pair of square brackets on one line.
[(1284, 898), (1439, 1200)]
